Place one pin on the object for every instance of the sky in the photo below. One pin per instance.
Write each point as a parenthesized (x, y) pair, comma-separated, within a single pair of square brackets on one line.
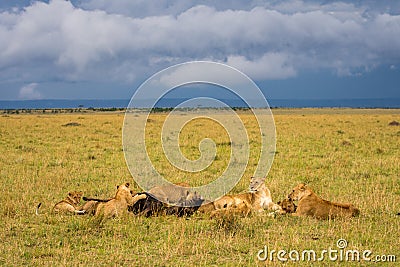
[(101, 49)]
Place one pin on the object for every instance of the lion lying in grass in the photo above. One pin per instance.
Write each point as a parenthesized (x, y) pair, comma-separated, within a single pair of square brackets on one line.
[(241, 210), (258, 199), (68, 204), (118, 205), (312, 205), (91, 204)]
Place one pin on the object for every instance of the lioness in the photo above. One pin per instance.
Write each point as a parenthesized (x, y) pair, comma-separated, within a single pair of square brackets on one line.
[(242, 209), (119, 204), (69, 204), (258, 199), (312, 205)]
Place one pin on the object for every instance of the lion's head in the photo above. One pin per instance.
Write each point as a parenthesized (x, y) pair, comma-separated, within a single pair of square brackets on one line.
[(124, 193), (256, 184), (299, 192), (75, 197), (287, 205)]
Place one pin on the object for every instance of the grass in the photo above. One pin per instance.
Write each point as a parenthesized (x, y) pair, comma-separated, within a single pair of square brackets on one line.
[(347, 155)]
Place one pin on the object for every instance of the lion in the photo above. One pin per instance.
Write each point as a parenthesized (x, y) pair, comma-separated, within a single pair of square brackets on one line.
[(118, 205), (242, 210), (287, 205), (68, 204), (91, 204), (258, 199), (309, 204)]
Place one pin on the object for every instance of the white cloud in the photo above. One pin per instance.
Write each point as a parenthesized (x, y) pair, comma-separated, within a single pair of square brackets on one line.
[(202, 72), (58, 41), (143, 8), (268, 66), (29, 92)]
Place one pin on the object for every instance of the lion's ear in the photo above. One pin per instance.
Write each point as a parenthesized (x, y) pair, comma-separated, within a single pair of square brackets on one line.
[(127, 184), (70, 194), (117, 187)]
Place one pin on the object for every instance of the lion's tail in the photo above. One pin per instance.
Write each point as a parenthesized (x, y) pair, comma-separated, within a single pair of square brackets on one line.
[(37, 208), (96, 199)]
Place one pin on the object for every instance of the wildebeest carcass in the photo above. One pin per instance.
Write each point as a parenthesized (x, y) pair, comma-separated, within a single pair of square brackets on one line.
[(168, 200)]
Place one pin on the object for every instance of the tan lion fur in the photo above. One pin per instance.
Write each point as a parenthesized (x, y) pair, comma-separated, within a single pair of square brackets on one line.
[(69, 204), (309, 204), (287, 206), (242, 209), (90, 207), (258, 199), (118, 205)]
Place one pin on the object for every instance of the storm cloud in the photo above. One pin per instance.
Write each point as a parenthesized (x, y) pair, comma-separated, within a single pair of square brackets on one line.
[(125, 41)]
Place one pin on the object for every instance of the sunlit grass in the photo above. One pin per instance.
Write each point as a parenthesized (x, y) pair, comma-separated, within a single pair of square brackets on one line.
[(345, 155)]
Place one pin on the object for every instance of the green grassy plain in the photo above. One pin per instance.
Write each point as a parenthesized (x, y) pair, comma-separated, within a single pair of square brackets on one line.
[(346, 155)]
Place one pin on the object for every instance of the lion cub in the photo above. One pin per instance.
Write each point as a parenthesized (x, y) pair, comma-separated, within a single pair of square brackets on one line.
[(91, 205), (69, 204), (312, 205), (258, 199), (287, 206), (118, 205)]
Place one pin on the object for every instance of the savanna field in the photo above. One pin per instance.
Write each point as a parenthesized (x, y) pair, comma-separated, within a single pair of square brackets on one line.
[(345, 155)]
